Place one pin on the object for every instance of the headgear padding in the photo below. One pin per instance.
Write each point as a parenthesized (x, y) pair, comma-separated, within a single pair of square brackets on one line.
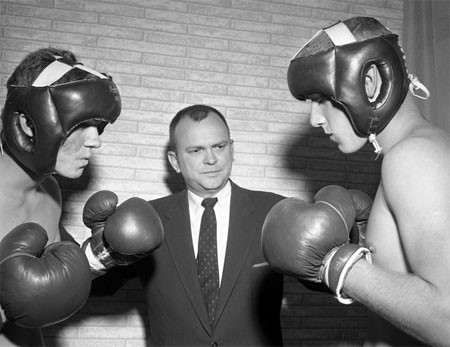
[(339, 73), (54, 112)]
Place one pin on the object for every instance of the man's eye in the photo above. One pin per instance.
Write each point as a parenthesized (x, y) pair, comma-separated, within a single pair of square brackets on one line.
[(194, 151), (222, 146), (219, 147), (319, 98)]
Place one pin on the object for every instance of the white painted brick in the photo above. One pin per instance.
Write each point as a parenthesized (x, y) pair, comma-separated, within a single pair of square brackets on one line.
[(218, 12), (108, 8), (163, 56), (44, 24), (98, 30)]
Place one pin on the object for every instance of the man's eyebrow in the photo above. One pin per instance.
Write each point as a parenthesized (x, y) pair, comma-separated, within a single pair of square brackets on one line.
[(222, 142), (195, 147)]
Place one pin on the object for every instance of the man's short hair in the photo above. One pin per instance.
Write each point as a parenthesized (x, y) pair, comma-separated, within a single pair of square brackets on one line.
[(35, 62), (195, 112)]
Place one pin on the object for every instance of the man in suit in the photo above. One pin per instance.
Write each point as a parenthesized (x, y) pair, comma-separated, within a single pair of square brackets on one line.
[(247, 312)]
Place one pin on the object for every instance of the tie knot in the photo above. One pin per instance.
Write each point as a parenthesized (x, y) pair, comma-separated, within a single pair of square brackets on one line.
[(209, 202)]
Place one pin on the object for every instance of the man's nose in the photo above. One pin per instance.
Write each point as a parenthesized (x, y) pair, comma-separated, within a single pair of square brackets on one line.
[(316, 118), (92, 137), (210, 156)]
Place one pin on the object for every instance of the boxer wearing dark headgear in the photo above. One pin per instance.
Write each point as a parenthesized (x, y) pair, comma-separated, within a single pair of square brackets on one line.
[(339, 74), (54, 111), (355, 75)]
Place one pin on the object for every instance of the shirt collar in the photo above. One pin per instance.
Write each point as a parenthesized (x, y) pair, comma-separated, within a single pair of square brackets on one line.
[(223, 196)]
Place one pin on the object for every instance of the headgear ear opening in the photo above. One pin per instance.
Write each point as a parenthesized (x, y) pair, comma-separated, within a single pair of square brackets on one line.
[(384, 70), (23, 141)]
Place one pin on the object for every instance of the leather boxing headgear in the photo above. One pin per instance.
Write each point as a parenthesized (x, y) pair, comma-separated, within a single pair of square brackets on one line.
[(339, 73), (54, 112)]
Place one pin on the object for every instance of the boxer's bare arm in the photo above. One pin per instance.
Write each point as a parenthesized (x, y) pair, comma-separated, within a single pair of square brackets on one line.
[(416, 189)]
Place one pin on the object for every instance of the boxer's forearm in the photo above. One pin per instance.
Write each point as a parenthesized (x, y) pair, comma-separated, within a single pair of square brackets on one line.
[(415, 306)]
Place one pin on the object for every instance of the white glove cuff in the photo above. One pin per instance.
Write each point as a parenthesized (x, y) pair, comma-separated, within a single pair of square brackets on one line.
[(361, 252), (3, 318), (97, 268)]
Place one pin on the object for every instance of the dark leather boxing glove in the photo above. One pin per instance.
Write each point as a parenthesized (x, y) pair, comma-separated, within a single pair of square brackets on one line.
[(311, 241), (363, 204), (41, 285), (120, 234)]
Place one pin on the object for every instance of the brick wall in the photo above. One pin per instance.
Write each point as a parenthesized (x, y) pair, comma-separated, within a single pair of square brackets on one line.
[(164, 55)]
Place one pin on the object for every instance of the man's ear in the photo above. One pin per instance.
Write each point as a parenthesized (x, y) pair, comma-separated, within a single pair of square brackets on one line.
[(232, 149), (1, 133), (373, 83), (23, 121), (173, 160)]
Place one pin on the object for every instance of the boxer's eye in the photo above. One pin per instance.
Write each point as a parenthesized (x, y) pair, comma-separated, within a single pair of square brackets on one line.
[(317, 97)]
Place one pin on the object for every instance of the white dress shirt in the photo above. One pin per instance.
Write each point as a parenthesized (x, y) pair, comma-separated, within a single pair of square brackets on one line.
[(222, 211)]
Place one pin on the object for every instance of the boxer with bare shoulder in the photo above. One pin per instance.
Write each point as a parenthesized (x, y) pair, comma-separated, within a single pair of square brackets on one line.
[(55, 110), (355, 75)]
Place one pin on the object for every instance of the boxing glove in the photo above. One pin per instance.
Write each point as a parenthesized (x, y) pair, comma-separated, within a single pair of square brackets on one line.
[(363, 204), (120, 234), (41, 285), (311, 241)]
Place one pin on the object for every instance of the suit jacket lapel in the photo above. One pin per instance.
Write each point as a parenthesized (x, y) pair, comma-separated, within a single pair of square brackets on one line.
[(179, 242), (240, 236)]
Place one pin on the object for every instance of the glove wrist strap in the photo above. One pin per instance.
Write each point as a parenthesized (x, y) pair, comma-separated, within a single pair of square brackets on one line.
[(3, 318), (338, 265), (97, 268), (101, 257)]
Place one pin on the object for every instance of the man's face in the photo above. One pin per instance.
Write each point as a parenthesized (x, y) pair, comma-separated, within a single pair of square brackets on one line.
[(76, 151), (336, 124), (204, 154)]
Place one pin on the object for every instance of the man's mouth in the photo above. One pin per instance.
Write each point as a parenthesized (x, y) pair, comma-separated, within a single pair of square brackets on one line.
[(211, 173)]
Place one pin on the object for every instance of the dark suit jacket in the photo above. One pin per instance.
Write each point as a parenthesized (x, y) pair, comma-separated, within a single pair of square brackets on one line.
[(248, 312)]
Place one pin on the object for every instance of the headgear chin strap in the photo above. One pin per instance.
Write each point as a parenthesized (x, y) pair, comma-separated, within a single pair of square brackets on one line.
[(339, 73), (54, 112)]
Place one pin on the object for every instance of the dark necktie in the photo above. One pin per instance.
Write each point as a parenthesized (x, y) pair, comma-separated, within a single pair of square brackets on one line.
[(208, 270)]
